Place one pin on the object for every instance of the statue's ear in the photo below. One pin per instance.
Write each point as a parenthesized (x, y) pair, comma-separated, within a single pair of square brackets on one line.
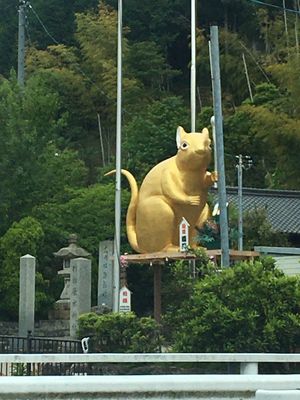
[(180, 132), (205, 132)]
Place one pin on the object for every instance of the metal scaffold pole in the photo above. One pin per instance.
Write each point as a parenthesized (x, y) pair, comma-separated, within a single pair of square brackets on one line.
[(218, 119)]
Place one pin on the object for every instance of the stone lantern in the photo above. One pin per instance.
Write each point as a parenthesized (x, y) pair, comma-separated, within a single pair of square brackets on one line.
[(62, 306)]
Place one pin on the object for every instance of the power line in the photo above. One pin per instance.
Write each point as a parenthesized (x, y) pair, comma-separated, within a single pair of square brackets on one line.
[(77, 67), (262, 3), (255, 61), (27, 30), (42, 24)]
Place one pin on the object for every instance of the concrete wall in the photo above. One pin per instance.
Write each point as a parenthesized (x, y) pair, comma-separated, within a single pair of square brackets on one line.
[(290, 265), (53, 328)]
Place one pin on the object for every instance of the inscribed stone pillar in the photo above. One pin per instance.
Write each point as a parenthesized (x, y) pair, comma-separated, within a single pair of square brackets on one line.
[(105, 274), (80, 285), (26, 295)]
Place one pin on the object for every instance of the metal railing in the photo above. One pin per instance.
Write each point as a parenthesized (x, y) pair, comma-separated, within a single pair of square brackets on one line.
[(37, 345)]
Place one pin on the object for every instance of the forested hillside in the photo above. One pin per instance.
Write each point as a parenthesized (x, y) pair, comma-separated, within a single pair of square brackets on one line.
[(52, 163)]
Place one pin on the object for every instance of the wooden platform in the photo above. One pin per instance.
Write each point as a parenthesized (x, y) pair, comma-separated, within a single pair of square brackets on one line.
[(162, 257), (157, 260)]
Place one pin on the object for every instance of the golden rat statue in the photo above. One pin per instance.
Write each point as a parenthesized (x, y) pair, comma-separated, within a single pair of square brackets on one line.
[(176, 187)]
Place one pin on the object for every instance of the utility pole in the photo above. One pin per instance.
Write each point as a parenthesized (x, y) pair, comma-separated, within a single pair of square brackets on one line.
[(116, 275), (193, 66), (244, 162), (21, 42), (240, 201), (218, 119)]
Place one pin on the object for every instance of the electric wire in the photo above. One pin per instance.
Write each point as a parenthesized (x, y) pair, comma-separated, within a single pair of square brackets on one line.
[(255, 61), (77, 67), (57, 43), (42, 24), (27, 30), (262, 3)]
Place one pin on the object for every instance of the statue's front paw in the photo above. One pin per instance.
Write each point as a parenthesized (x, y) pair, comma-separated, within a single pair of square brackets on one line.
[(194, 200), (214, 176)]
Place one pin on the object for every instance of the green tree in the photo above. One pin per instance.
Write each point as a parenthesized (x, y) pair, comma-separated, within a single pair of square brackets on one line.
[(252, 307), (239, 138), (280, 135), (24, 237), (97, 37), (60, 67), (33, 168), (148, 65), (44, 22), (150, 135), (257, 230), (164, 22), (231, 63), (88, 212), (269, 134), (8, 33), (286, 75), (273, 35)]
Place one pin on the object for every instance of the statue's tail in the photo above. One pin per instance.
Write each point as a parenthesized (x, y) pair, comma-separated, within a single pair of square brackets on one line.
[(131, 212)]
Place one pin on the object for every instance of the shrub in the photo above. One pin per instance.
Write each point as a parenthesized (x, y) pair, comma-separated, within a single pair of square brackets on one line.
[(120, 333)]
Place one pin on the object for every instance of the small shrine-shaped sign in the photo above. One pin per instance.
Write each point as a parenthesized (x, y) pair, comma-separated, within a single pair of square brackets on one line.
[(184, 234), (125, 300)]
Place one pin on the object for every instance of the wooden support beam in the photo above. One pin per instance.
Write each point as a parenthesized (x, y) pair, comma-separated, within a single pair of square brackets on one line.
[(157, 292)]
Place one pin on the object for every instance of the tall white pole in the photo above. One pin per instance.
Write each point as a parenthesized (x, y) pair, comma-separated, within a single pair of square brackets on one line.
[(193, 65), (116, 285)]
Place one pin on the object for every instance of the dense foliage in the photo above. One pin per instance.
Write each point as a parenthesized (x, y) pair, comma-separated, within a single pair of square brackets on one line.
[(58, 132), (120, 333), (252, 307)]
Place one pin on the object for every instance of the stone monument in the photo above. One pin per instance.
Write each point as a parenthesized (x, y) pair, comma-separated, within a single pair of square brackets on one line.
[(72, 251), (80, 291), (105, 275), (27, 295)]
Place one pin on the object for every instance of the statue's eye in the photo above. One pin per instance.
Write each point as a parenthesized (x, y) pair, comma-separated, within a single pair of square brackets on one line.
[(184, 145)]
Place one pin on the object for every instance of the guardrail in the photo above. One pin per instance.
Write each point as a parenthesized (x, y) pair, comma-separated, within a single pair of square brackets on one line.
[(243, 386), (87, 364)]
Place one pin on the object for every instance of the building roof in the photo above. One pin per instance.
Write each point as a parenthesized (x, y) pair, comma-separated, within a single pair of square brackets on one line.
[(282, 206)]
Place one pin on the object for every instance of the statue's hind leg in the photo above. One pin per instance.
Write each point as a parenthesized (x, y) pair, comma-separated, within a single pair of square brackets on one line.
[(154, 225)]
